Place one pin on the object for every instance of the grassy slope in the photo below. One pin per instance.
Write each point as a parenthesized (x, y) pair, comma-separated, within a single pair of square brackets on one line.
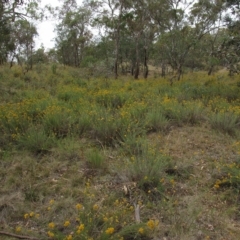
[(183, 174)]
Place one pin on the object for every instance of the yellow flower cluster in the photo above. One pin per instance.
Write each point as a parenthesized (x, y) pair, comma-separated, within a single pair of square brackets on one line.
[(66, 223), (80, 228), (51, 225), (109, 231), (152, 224), (31, 215)]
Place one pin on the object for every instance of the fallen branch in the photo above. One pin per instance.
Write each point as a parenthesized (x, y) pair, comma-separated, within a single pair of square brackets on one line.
[(18, 236), (137, 213)]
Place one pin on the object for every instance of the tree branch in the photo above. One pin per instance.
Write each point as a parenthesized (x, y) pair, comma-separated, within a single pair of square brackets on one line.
[(18, 236)]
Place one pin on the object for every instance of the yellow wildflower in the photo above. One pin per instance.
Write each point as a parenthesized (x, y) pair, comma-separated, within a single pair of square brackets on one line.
[(131, 208), (18, 229), (141, 230), (162, 180), (66, 224), (95, 207), (152, 224), (81, 226), (50, 234), (69, 237), (51, 201), (26, 215), (31, 214), (51, 225), (172, 181), (79, 206), (110, 231)]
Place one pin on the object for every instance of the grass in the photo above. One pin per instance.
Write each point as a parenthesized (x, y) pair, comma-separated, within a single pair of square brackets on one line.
[(78, 157)]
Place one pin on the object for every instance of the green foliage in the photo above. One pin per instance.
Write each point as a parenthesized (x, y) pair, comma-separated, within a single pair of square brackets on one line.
[(132, 144), (35, 140), (228, 176), (156, 121), (82, 123), (95, 159), (182, 112), (54, 69), (105, 127), (225, 122), (148, 169), (58, 120)]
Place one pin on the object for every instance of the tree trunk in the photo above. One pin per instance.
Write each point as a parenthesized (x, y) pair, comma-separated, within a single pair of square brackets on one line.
[(31, 56), (179, 72), (117, 41), (210, 70), (132, 69), (11, 63), (116, 68), (145, 63), (163, 70), (136, 73)]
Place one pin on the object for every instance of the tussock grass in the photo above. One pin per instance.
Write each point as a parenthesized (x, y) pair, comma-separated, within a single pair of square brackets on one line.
[(79, 157)]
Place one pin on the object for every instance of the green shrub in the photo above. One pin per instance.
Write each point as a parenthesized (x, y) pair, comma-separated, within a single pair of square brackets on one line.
[(228, 176), (133, 144), (58, 121), (148, 169), (106, 127), (83, 124), (225, 122), (36, 140), (54, 68), (182, 113), (95, 159), (156, 121)]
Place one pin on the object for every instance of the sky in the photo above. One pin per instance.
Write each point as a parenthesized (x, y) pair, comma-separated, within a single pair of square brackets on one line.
[(46, 28), (46, 33)]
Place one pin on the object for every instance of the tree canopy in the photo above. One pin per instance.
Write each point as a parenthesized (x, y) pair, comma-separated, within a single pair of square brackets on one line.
[(128, 35)]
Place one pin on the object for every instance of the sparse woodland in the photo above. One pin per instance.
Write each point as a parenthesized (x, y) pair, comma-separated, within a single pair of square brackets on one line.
[(129, 128)]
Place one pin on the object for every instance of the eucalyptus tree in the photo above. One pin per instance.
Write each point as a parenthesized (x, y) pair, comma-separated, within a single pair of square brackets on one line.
[(142, 32), (230, 49), (110, 20), (24, 33), (14, 13), (8, 13), (182, 27), (73, 32), (41, 56)]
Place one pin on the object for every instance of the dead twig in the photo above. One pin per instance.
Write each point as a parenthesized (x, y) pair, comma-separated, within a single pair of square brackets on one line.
[(137, 213), (18, 236)]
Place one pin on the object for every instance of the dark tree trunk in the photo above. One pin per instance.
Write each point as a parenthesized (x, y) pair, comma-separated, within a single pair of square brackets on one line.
[(11, 63), (136, 73), (163, 70), (116, 68), (210, 70), (179, 72), (132, 69), (145, 64)]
